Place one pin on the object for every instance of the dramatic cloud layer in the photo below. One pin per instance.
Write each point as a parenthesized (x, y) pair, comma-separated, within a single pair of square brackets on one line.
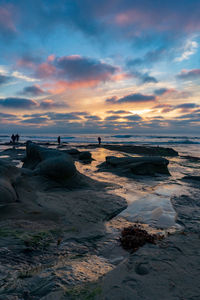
[(100, 66), (18, 103), (131, 98), (33, 90), (4, 79), (189, 75)]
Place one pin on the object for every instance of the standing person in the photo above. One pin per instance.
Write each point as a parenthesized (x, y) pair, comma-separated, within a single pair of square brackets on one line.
[(58, 140), (13, 137), (17, 137), (99, 140)]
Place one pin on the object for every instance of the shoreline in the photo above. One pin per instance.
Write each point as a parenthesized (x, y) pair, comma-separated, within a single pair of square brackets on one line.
[(67, 260)]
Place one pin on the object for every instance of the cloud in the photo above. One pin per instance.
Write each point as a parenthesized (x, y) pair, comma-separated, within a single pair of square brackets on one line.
[(187, 105), (124, 18), (8, 116), (133, 117), (35, 120), (146, 78), (76, 71), (161, 91), (73, 71), (19, 75), (117, 111), (143, 77), (132, 98), (4, 79), (189, 74), (93, 118), (18, 103), (189, 49), (64, 116), (184, 107), (172, 93), (158, 16), (112, 118), (149, 58), (28, 60), (50, 104), (77, 68), (33, 90)]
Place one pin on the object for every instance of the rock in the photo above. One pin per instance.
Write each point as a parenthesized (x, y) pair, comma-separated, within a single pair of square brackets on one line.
[(139, 165), (8, 175), (143, 150), (191, 177), (7, 192), (191, 158), (141, 269), (49, 162), (56, 168), (85, 155), (72, 151)]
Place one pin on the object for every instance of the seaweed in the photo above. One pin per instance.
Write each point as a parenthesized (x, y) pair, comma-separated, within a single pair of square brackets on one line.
[(134, 237)]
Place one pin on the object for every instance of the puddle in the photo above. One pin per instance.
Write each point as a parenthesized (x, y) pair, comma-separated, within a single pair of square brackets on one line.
[(149, 199)]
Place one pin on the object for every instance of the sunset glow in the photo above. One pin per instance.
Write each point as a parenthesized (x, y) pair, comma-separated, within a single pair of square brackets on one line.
[(130, 66)]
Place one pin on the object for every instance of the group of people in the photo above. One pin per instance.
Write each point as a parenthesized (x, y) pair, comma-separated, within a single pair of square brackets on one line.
[(14, 138)]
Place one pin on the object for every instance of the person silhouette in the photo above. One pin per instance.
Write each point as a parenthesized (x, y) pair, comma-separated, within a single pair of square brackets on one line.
[(17, 137), (13, 138), (59, 140), (99, 140)]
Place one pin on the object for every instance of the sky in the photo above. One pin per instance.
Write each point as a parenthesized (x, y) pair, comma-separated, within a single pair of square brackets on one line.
[(109, 66)]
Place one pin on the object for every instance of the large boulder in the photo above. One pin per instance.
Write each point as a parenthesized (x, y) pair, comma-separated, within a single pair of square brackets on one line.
[(48, 162), (85, 155), (143, 150), (8, 175), (138, 165)]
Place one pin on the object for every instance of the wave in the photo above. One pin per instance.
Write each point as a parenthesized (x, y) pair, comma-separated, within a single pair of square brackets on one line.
[(183, 142), (122, 136)]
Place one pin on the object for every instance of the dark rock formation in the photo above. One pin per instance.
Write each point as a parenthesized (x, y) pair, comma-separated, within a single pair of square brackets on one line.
[(85, 155), (137, 165), (143, 150), (72, 151), (8, 175), (191, 158), (191, 177), (48, 162)]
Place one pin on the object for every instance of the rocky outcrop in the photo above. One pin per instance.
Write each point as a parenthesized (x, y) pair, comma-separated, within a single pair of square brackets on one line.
[(49, 162), (192, 177), (141, 150), (85, 156), (49, 188), (136, 165), (8, 175)]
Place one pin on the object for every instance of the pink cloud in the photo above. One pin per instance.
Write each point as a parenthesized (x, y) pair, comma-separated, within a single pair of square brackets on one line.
[(189, 74), (45, 70), (139, 19), (73, 71)]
